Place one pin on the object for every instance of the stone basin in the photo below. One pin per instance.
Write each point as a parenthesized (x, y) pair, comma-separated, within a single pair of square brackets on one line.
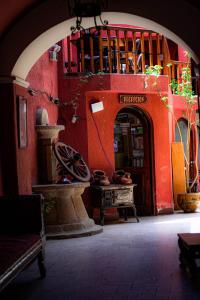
[(67, 216), (48, 131)]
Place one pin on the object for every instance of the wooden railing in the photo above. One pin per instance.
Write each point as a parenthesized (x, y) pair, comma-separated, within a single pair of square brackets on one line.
[(115, 50), (120, 50), (175, 70)]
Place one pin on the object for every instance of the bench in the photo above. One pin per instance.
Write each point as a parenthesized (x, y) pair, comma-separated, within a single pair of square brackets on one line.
[(21, 235), (189, 245)]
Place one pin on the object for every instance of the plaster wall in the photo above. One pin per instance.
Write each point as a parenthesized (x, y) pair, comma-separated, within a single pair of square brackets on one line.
[(100, 127), (42, 77), (93, 133)]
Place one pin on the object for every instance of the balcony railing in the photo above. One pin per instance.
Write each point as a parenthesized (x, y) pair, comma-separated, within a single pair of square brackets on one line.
[(120, 50)]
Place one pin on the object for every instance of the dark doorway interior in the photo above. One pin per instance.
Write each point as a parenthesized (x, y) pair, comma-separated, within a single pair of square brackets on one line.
[(133, 146)]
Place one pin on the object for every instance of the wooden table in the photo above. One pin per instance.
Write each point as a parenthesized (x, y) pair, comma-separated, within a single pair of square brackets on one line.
[(189, 244), (114, 196)]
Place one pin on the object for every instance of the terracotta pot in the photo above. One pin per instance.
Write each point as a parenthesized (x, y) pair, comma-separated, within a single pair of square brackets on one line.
[(122, 177), (100, 178), (99, 173), (188, 202)]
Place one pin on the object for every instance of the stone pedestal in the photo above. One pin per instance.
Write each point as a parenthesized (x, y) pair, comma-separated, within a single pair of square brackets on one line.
[(65, 213), (47, 134)]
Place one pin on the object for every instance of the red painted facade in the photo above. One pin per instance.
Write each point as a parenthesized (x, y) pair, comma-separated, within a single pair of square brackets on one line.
[(43, 77), (93, 133)]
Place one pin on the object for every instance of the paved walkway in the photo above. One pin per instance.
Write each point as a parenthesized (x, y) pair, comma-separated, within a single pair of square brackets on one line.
[(129, 260)]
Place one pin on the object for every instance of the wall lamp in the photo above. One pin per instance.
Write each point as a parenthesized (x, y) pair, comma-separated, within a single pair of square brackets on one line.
[(53, 52), (74, 104), (34, 92)]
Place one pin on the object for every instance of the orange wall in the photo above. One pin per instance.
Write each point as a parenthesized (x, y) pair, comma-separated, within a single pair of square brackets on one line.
[(105, 123), (83, 135)]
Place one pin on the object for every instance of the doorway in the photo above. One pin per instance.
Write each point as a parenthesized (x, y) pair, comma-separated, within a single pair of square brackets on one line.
[(133, 147), (182, 126)]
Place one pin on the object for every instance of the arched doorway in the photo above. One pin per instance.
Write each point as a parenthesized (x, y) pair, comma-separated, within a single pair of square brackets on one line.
[(181, 130), (133, 147), (181, 125)]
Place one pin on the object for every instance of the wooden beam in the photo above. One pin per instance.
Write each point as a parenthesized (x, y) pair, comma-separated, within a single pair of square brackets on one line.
[(118, 52), (158, 48), (109, 52), (100, 52), (143, 52), (69, 69), (134, 52), (91, 52), (126, 50), (150, 50), (178, 69), (82, 53)]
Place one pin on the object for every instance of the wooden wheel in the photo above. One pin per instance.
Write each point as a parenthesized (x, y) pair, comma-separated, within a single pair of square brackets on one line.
[(72, 161)]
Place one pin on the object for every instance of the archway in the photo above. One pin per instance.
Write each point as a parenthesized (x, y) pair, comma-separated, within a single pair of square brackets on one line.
[(30, 43), (133, 146), (181, 135)]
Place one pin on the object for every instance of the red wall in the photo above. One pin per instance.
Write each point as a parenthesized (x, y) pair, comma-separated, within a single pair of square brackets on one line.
[(181, 54), (105, 123), (85, 137), (43, 76)]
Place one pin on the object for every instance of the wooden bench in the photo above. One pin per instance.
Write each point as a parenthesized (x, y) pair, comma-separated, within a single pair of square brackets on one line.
[(189, 244), (21, 236)]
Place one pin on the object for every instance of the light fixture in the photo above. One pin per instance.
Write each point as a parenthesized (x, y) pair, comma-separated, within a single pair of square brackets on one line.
[(74, 118), (85, 9), (34, 92), (53, 52)]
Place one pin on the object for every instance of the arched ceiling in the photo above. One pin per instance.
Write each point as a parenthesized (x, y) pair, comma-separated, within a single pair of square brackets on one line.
[(26, 20), (11, 11)]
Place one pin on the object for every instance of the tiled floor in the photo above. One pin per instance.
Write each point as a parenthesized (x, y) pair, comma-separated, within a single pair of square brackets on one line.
[(127, 261)]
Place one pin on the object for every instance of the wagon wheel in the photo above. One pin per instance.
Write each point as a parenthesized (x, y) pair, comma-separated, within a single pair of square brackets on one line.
[(72, 161)]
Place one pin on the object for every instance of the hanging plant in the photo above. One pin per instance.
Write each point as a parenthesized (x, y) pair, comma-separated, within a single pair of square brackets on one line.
[(182, 88)]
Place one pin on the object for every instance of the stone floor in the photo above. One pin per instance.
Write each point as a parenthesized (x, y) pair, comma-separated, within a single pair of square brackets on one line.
[(127, 261)]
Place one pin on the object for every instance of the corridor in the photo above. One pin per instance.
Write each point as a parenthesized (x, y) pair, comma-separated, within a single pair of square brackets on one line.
[(127, 261)]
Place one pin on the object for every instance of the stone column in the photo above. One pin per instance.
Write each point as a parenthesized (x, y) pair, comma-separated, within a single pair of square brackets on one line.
[(47, 135)]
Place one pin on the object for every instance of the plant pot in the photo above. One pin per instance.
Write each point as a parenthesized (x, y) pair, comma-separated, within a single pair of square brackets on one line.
[(188, 202)]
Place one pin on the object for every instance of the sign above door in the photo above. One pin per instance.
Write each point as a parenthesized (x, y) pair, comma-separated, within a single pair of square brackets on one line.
[(132, 98)]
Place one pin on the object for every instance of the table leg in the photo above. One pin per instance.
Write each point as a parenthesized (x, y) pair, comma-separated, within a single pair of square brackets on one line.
[(125, 214), (102, 216), (135, 213)]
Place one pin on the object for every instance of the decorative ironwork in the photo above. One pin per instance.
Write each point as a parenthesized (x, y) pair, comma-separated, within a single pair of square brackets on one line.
[(84, 9)]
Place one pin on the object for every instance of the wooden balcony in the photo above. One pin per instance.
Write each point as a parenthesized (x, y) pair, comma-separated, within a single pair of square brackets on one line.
[(119, 50)]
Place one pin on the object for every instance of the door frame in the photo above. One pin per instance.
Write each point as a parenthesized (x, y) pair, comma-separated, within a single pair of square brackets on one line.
[(145, 118)]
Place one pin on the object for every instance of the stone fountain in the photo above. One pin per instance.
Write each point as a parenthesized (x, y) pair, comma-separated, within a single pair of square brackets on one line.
[(65, 214)]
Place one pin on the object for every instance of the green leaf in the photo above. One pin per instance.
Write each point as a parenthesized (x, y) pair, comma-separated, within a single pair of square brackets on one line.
[(164, 99)]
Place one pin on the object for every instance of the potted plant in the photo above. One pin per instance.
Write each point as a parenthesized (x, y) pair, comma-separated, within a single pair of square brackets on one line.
[(190, 200)]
